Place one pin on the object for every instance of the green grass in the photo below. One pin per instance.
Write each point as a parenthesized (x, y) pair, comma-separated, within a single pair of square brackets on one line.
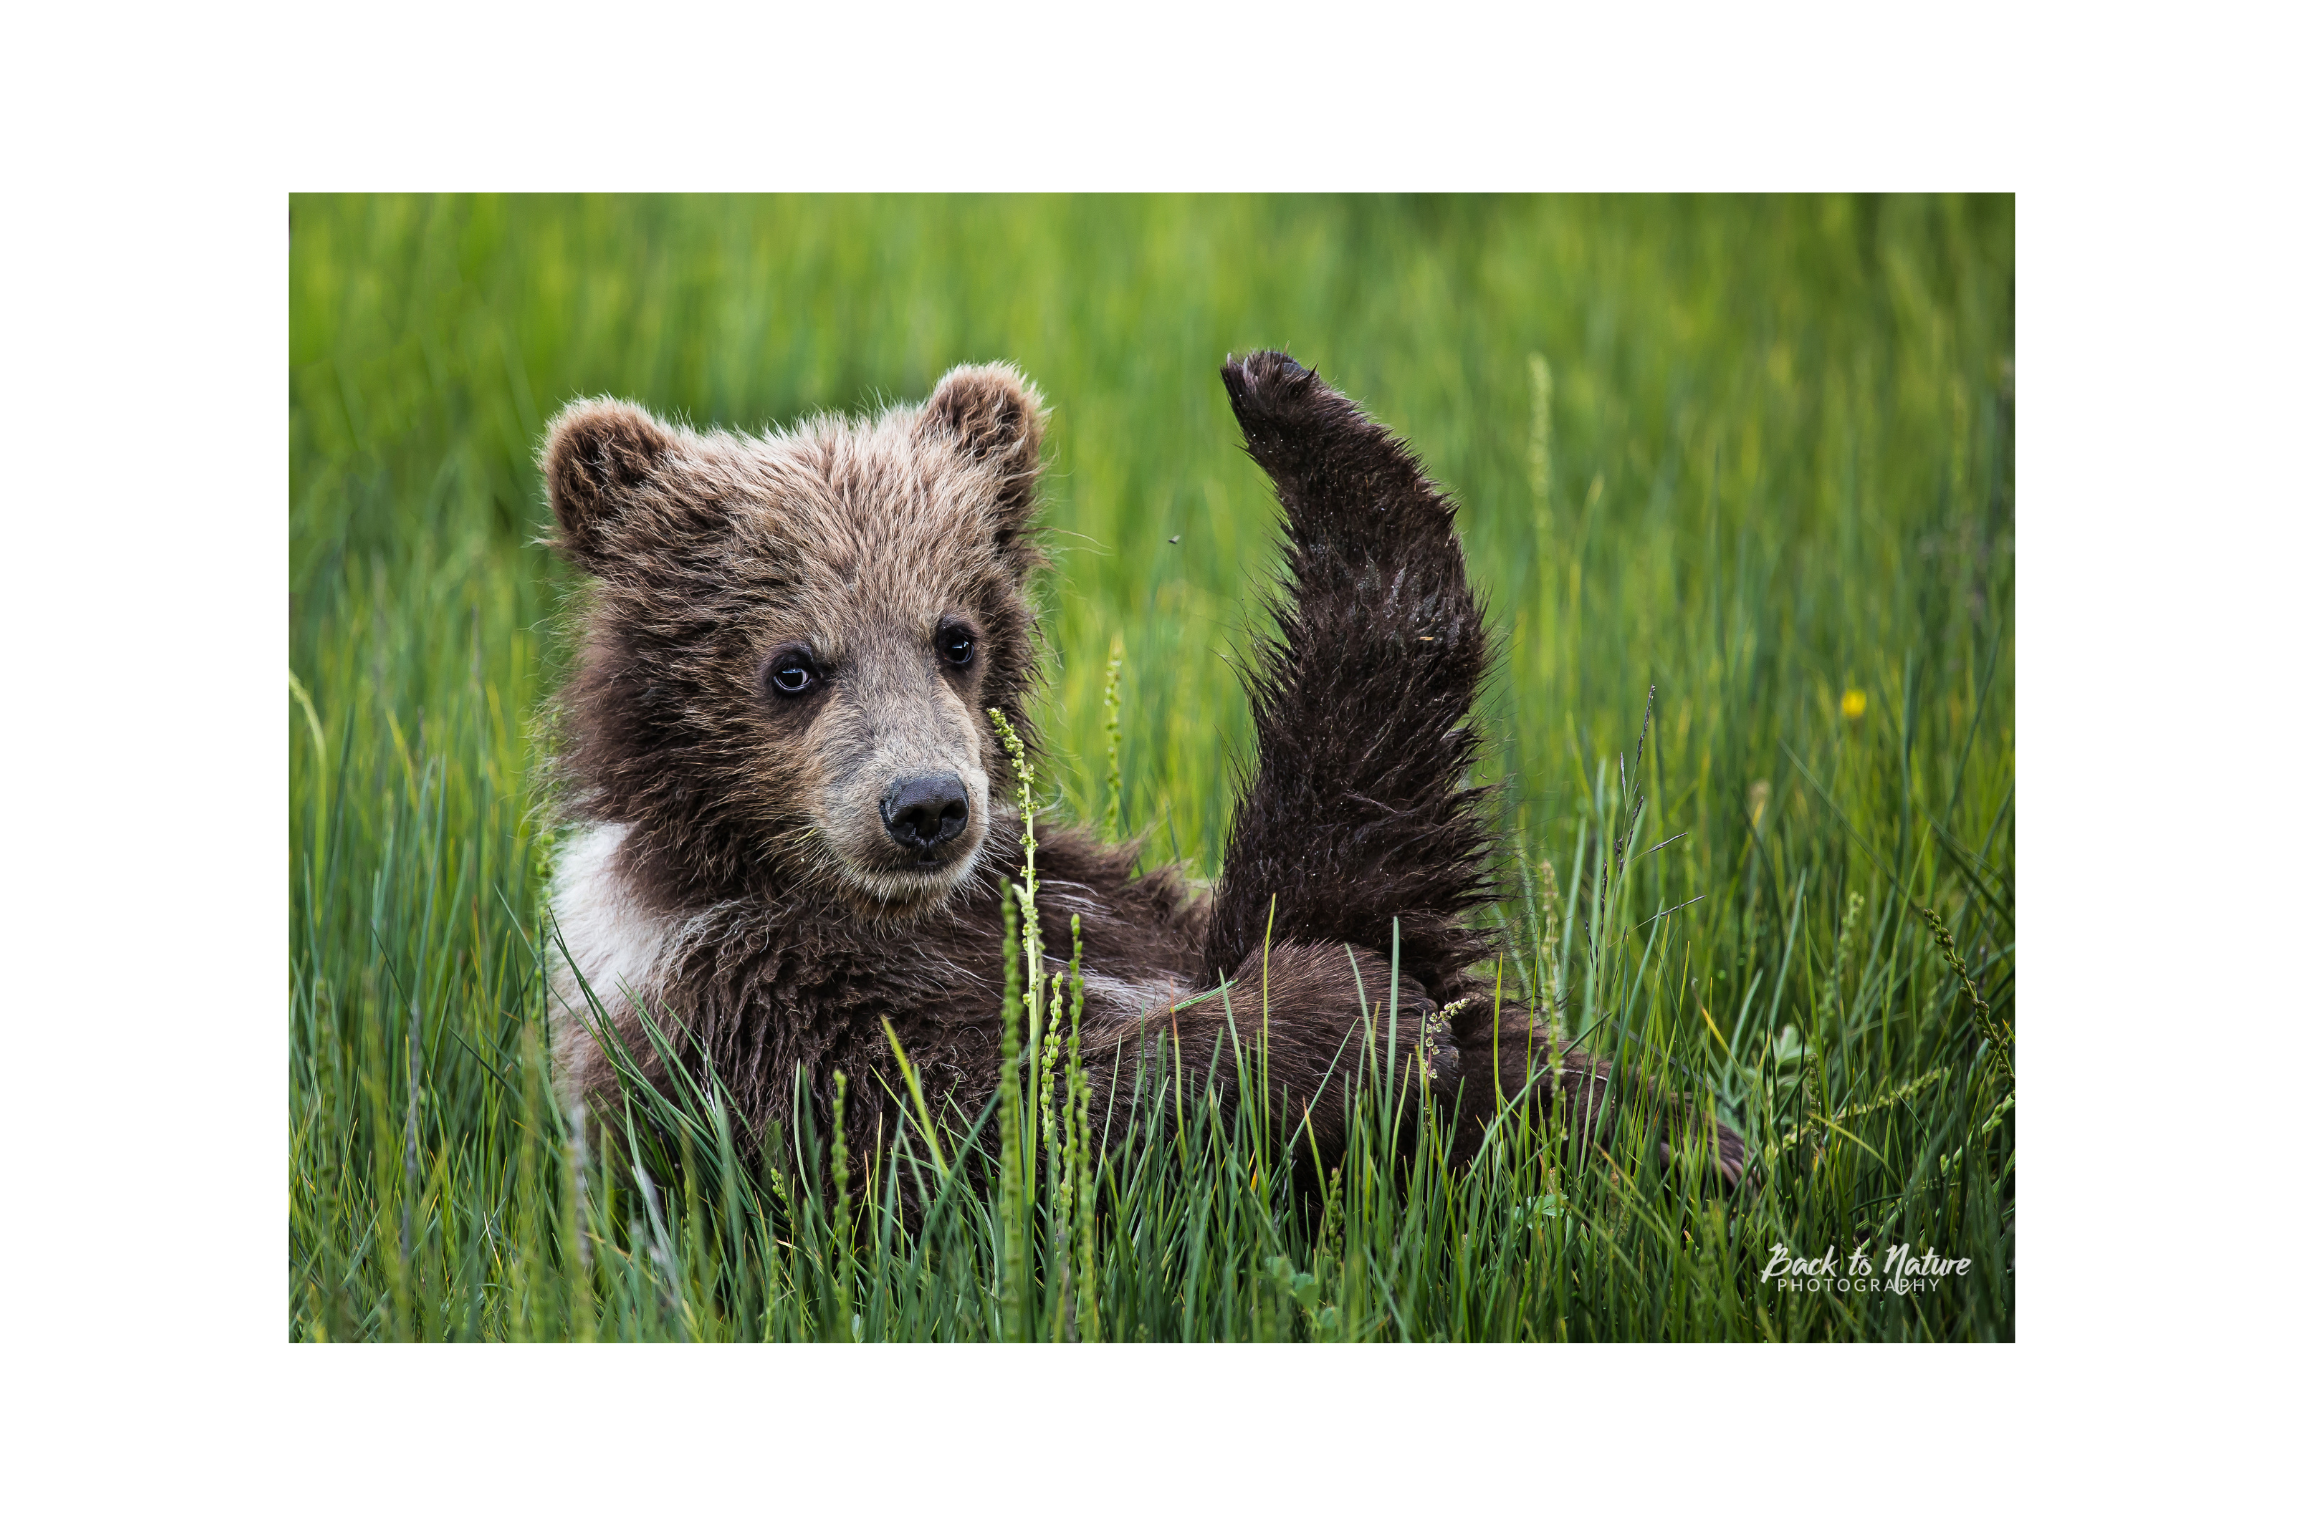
[(1750, 454)]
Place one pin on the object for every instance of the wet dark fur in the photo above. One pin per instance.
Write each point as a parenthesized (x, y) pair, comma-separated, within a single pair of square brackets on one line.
[(1356, 815)]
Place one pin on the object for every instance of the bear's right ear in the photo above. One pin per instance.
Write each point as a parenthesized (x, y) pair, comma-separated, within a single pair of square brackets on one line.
[(598, 456), (991, 413)]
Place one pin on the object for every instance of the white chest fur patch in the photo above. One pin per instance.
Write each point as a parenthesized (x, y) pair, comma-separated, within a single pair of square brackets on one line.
[(616, 942)]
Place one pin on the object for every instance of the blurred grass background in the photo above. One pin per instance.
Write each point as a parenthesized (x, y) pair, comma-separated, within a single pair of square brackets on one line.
[(1755, 453)]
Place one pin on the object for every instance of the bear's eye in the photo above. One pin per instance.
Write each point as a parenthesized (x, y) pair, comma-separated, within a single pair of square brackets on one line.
[(957, 646), (792, 674)]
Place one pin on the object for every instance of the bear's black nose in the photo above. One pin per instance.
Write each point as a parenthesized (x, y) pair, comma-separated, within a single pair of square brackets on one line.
[(925, 812)]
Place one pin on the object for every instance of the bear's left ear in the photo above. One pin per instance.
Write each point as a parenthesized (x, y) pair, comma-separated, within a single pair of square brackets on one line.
[(600, 459), (993, 415)]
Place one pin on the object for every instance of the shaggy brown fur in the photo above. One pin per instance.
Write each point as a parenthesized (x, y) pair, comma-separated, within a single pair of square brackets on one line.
[(787, 659)]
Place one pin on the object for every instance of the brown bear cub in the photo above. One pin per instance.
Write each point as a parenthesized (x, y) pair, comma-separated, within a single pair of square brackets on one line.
[(791, 817)]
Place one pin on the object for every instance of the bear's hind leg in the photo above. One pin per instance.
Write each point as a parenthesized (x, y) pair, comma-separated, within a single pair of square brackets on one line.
[(1358, 813), (1503, 1054)]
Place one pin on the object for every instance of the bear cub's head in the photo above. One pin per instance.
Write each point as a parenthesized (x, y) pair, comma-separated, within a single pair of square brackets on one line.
[(785, 662)]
